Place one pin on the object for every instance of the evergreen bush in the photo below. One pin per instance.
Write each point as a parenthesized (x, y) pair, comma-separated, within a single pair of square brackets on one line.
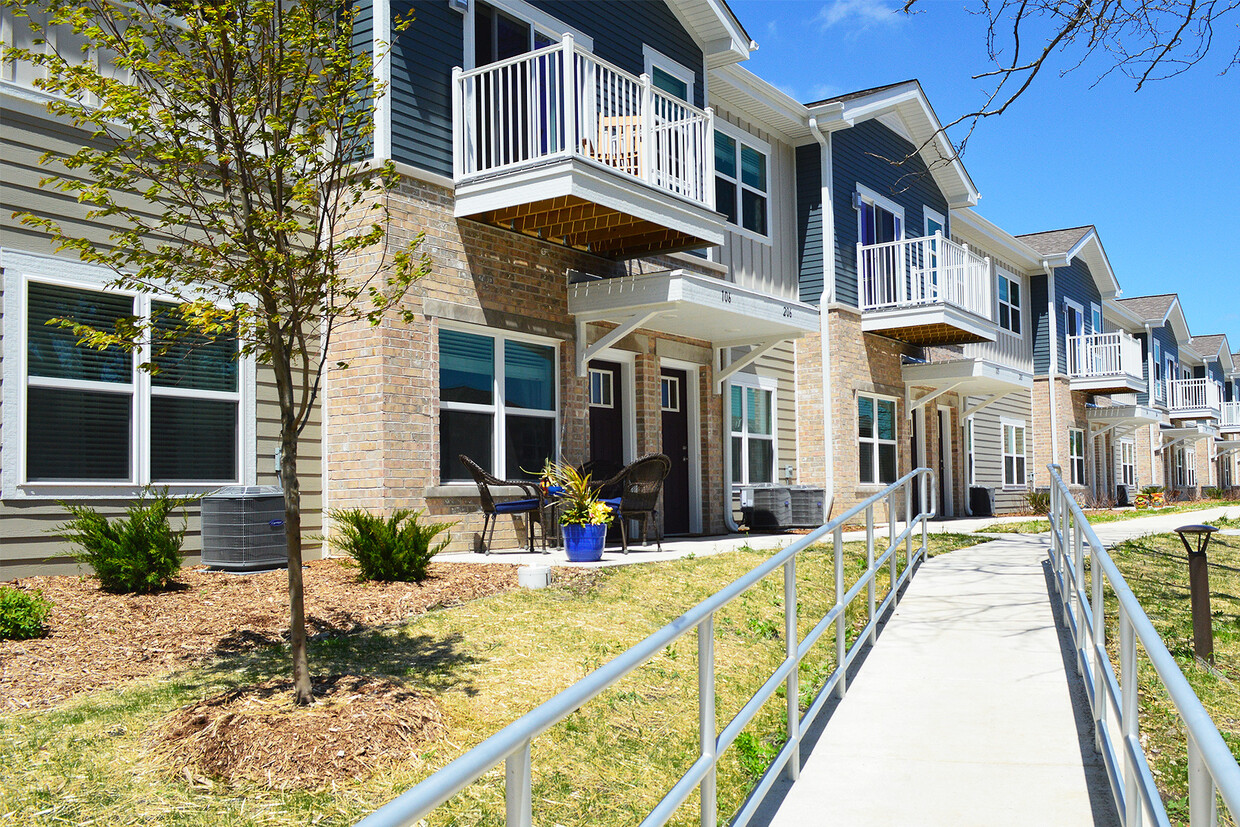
[(137, 553), (22, 613), (398, 548)]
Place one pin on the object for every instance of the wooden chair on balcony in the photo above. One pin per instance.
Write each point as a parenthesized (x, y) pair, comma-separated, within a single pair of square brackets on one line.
[(619, 143), (533, 506), (640, 484)]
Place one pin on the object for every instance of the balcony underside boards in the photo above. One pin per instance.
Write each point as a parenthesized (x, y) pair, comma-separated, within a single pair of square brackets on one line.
[(1108, 384), (928, 325), (1122, 419), (1194, 413), (589, 207)]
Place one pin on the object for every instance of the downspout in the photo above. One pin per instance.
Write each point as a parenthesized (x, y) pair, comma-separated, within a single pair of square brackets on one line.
[(1054, 353), (827, 298), (729, 520), (1150, 394)]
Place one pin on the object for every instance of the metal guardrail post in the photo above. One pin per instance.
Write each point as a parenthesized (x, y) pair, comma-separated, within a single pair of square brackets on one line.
[(1128, 711), (908, 522), (869, 564), (707, 724), (891, 541), (793, 686), (518, 793), (1202, 802), (841, 622)]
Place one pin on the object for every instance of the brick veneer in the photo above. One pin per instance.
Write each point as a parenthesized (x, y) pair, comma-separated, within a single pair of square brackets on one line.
[(382, 447)]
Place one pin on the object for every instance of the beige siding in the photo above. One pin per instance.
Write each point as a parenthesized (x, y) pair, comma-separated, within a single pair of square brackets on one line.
[(988, 448), (27, 545)]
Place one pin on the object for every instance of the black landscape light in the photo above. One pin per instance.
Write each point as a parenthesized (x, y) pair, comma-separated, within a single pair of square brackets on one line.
[(1199, 586)]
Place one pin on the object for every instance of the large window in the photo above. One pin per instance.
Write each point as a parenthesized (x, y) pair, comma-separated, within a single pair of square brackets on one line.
[(1013, 453), (741, 181), (93, 417), (876, 439), (753, 434), (1076, 455), (497, 404), (1009, 303), (1128, 462)]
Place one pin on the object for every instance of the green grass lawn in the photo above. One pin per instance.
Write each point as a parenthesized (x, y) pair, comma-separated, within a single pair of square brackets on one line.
[(1041, 525), (1156, 569), (488, 662)]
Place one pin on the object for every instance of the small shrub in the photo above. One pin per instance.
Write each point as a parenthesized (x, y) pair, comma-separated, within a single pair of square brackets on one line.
[(22, 613), (1039, 502), (137, 553), (396, 548), (1213, 493)]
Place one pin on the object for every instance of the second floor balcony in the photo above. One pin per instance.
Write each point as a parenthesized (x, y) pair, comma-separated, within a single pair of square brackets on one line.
[(563, 146), (925, 291), (1106, 363), (1230, 423), (1194, 399)]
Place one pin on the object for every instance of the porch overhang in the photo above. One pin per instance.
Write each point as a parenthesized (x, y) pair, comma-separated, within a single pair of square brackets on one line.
[(966, 377), (1123, 419), (1174, 435), (1226, 446), (688, 304), (938, 323), (589, 206), (1115, 383)]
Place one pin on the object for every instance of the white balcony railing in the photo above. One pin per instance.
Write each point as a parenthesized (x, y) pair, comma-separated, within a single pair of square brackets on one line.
[(1104, 355), (923, 271), (562, 102), (1195, 395), (1231, 414)]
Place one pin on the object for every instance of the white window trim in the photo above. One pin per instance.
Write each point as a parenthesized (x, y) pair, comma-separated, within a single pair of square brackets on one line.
[(652, 57), (20, 268), (1131, 446), (926, 215), (1095, 312), (498, 408), (1190, 465), (1019, 281), (761, 383), (1011, 422), (610, 403), (867, 194), (876, 441), (753, 142), (1160, 387), (521, 10), (1081, 456)]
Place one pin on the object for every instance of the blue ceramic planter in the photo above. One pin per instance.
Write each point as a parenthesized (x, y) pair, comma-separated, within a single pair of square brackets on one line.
[(584, 543)]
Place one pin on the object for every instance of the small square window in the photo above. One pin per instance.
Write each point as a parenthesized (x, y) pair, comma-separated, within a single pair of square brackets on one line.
[(601, 388), (670, 393)]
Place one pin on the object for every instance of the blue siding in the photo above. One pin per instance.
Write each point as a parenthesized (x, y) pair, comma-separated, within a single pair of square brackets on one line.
[(423, 57), (1168, 346), (1039, 313), (809, 221), (859, 157), (1073, 282)]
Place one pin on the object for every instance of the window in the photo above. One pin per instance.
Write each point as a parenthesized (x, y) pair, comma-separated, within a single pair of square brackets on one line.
[(741, 181), (1076, 455), (602, 386), (1013, 453), (499, 35), (669, 393), (876, 440), (93, 417), (497, 404), (1128, 462), (1190, 463), (1095, 318), (753, 434), (1009, 303), (880, 220), (968, 448), (1158, 371), (668, 75)]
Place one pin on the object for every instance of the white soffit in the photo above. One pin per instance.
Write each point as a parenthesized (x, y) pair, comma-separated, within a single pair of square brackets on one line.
[(1189, 433), (1125, 415), (972, 377)]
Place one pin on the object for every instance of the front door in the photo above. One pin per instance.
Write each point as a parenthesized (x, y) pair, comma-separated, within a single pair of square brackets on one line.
[(606, 419), (674, 386), (946, 483)]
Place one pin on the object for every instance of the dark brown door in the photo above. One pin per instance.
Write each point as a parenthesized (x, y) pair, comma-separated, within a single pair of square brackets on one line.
[(606, 419), (673, 392)]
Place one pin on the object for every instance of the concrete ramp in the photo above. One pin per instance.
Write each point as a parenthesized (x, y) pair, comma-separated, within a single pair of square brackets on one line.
[(964, 713)]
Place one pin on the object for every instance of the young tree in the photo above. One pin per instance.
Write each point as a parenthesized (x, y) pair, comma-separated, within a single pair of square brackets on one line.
[(229, 146)]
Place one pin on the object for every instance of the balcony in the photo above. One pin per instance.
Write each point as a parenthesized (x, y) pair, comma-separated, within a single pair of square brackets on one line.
[(1230, 423), (560, 145), (1194, 399), (925, 291), (1105, 363)]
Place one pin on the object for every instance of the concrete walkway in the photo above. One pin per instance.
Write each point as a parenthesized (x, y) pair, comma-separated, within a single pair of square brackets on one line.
[(967, 711)]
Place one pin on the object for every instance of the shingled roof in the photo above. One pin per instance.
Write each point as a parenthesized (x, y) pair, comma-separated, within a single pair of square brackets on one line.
[(1056, 241), (1208, 345), (861, 93), (1149, 307)]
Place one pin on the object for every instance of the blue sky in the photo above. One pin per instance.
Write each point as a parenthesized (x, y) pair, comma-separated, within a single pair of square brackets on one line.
[(1156, 171)]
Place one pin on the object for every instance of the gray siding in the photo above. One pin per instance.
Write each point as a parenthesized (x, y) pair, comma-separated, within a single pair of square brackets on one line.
[(770, 267), (860, 156), (1073, 282), (988, 448), (1168, 345), (809, 221)]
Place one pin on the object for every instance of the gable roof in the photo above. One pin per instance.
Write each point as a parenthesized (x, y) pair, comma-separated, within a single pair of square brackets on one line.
[(1211, 346), (1059, 247), (905, 101), (1151, 308), (722, 37), (1054, 242)]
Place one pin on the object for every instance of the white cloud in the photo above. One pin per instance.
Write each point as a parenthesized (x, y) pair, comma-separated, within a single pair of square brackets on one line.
[(857, 14), (772, 29)]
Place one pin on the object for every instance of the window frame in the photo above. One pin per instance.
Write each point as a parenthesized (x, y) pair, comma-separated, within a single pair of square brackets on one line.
[(876, 199), (1003, 274), (610, 401), (498, 408), (875, 440), (22, 269), (743, 138), (1077, 435), (759, 384), (1015, 424), (652, 58), (1128, 470)]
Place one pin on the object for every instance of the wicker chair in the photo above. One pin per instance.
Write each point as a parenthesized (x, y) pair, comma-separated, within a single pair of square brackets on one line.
[(640, 484), (534, 505)]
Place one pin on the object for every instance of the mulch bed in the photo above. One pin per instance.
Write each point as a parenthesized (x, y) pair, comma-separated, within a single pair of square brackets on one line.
[(97, 640), (255, 735)]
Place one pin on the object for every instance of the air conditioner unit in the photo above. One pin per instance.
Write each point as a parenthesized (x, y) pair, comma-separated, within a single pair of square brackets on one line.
[(807, 506), (772, 507), (243, 528)]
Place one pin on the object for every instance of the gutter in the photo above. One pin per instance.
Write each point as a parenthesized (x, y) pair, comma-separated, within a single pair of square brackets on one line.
[(1054, 364), (824, 301)]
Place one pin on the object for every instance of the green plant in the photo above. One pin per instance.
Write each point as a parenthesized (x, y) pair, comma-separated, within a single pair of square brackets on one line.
[(1152, 489), (1213, 493), (1039, 501), (22, 613), (137, 553), (579, 502), (396, 548)]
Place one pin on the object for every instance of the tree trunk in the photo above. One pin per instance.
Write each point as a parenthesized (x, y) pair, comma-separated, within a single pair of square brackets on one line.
[(302, 693)]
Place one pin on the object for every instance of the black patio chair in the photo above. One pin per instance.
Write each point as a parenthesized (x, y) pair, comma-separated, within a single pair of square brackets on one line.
[(640, 483), (533, 505)]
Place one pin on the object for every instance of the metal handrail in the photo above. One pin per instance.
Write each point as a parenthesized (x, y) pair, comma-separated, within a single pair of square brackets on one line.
[(1113, 699), (511, 745)]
